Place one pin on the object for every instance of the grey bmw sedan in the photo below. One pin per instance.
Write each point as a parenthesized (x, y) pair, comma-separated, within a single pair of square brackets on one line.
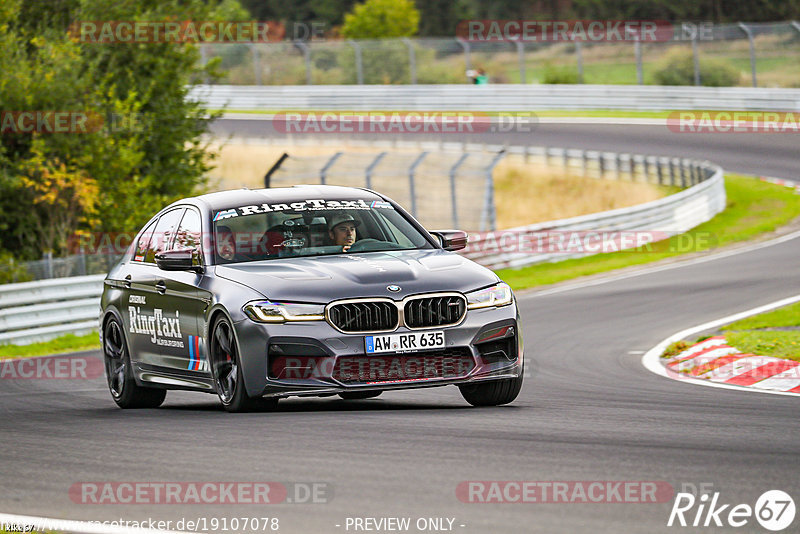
[(256, 295)]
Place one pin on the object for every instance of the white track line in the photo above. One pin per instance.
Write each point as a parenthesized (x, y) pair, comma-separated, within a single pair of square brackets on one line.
[(651, 360), (45, 524)]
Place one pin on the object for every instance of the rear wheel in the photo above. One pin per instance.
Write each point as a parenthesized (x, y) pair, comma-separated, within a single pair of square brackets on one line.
[(124, 390), (359, 395), (226, 369), (492, 393)]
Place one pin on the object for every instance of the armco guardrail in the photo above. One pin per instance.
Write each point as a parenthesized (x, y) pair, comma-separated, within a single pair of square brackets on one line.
[(547, 242), (36, 311), (494, 97)]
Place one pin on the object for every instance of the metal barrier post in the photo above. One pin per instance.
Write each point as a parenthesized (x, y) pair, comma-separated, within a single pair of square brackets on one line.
[(488, 207), (637, 47), (256, 64), (359, 64), (696, 57), (579, 54), (660, 171), (453, 202), (465, 45), (323, 173), (749, 34), (411, 182), (306, 51), (521, 59), (412, 60), (371, 167)]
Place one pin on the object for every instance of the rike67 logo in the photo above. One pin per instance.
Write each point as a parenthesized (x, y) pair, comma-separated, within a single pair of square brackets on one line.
[(774, 510)]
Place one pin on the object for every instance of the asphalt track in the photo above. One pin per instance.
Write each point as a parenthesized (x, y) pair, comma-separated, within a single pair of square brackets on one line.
[(588, 411)]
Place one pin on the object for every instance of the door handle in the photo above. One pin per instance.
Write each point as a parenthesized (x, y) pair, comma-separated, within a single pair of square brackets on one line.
[(161, 287), (127, 282)]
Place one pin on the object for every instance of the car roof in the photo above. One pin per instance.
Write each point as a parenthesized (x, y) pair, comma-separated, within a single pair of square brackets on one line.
[(241, 197)]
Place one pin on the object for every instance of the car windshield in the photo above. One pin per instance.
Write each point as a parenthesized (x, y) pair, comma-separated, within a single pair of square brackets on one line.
[(311, 227)]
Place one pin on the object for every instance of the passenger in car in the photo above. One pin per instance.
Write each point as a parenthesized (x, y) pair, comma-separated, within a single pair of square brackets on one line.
[(226, 245)]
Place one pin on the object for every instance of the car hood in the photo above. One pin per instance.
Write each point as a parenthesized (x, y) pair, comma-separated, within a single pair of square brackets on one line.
[(326, 278)]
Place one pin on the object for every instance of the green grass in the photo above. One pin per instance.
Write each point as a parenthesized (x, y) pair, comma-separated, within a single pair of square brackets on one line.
[(788, 316), (67, 343), (775, 343), (752, 335), (753, 208)]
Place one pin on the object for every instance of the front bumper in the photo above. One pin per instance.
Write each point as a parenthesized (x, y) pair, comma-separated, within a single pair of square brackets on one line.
[(313, 358)]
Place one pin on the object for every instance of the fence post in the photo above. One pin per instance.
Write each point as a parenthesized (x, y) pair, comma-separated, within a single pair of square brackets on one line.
[(204, 59), (306, 51), (453, 201), (579, 54), (256, 64), (48, 263), (488, 206), (465, 45), (412, 60), (696, 57), (323, 173), (671, 172), (638, 49), (521, 59), (359, 64), (371, 167), (749, 34), (411, 182)]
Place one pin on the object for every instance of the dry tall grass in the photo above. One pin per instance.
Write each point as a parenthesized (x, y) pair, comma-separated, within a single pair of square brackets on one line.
[(525, 192)]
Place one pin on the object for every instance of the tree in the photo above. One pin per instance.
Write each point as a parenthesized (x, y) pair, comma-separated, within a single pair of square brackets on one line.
[(113, 177), (379, 19)]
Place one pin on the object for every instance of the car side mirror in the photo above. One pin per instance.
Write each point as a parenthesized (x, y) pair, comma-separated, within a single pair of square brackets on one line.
[(452, 239), (178, 260)]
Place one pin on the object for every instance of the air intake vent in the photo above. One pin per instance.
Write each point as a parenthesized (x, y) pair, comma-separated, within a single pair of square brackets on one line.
[(364, 316), (426, 312)]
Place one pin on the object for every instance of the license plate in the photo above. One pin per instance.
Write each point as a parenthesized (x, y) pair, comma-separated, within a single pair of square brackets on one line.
[(410, 342)]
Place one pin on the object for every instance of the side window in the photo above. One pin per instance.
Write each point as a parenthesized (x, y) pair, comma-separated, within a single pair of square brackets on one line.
[(188, 234), (144, 241), (163, 234)]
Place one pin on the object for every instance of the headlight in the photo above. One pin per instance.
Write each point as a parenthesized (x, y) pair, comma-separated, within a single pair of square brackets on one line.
[(280, 312), (498, 295)]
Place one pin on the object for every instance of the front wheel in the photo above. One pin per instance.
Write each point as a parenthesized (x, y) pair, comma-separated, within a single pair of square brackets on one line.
[(124, 390), (492, 393), (226, 370)]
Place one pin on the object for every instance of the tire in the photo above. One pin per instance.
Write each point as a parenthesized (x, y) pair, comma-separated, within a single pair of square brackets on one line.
[(493, 393), (119, 374), (359, 395), (226, 370)]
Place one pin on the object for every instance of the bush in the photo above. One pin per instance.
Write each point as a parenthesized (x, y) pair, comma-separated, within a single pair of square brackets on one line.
[(559, 75), (12, 271), (677, 68)]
